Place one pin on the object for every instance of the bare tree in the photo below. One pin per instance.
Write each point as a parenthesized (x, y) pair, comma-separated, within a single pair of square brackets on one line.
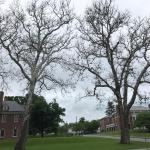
[(36, 39), (4, 74), (114, 48)]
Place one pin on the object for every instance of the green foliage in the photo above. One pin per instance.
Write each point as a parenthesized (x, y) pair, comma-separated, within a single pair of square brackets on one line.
[(40, 118), (92, 126), (44, 117), (143, 120), (63, 130), (80, 126), (85, 127), (110, 108), (56, 112)]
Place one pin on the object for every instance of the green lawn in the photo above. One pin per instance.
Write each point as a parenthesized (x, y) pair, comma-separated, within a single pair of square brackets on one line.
[(72, 143)]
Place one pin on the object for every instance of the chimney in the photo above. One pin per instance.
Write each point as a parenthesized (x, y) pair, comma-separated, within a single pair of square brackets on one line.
[(1, 97)]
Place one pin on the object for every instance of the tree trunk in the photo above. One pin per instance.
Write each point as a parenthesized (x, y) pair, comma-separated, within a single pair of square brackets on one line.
[(124, 127), (21, 143), (42, 134)]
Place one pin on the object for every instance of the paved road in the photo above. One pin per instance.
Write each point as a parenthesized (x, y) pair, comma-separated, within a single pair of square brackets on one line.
[(115, 137)]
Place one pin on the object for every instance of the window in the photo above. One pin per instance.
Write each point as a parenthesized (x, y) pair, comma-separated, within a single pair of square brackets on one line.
[(2, 132), (14, 132), (3, 119), (5, 107), (16, 118)]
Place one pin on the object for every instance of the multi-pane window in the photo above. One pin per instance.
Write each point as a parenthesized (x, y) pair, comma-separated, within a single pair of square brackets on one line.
[(2, 132), (15, 132), (16, 118), (3, 118)]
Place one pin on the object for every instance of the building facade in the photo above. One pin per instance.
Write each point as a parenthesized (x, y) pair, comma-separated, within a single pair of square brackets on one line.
[(11, 118), (111, 123)]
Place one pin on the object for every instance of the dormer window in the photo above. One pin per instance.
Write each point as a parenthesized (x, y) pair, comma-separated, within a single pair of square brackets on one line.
[(5, 107)]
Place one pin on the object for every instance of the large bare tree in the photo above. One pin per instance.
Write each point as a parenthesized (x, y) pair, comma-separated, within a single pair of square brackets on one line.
[(36, 39), (115, 49), (3, 66)]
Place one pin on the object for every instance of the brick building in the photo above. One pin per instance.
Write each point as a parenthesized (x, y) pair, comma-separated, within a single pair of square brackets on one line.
[(112, 123), (11, 118)]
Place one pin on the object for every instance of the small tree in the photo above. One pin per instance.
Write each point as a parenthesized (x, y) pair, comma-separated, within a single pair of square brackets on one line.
[(80, 125), (110, 108), (56, 113), (92, 126), (143, 120), (36, 39), (114, 50), (40, 117)]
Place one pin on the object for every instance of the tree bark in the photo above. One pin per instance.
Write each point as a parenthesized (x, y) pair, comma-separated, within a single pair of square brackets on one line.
[(124, 127), (21, 143)]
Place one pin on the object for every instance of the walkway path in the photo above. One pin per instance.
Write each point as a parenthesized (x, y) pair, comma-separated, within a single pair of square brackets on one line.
[(115, 137)]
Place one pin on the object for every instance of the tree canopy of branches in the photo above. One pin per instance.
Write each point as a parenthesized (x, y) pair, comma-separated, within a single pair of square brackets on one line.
[(114, 48), (36, 39), (4, 73)]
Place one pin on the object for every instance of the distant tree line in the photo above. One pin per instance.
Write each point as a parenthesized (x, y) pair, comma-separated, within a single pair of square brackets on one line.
[(143, 120), (81, 127)]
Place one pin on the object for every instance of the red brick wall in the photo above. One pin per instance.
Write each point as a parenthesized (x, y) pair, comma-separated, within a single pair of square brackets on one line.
[(103, 122), (114, 119), (9, 125)]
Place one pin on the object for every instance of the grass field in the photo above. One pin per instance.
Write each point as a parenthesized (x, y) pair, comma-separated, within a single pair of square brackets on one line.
[(72, 143)]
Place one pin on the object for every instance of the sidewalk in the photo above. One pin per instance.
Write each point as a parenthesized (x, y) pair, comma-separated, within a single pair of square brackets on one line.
[(116, 137)]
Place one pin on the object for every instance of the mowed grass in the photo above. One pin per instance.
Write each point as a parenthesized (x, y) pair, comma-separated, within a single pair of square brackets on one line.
[(73, 143)]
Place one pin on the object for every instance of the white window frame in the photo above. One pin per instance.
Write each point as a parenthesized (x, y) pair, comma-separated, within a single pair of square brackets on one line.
[(14, 132)]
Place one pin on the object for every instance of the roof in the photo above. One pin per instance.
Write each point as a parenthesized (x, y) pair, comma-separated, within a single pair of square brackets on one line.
[(139, 108), (106, 117), (12, 106)]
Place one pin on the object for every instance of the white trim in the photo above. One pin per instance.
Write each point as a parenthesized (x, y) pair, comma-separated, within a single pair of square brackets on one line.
[(16, 132)]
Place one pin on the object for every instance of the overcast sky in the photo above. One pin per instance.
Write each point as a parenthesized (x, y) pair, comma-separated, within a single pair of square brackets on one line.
[(88, 108)]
